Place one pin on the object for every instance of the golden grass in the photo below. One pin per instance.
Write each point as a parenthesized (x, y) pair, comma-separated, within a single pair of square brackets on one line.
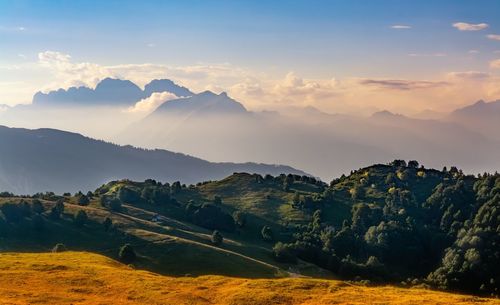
[(85, 278)]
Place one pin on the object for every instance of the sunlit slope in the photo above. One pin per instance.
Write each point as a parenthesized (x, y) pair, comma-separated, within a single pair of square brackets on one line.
[(85, 278)]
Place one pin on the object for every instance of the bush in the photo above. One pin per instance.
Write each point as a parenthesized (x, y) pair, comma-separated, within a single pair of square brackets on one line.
[(127, 254), (284, 253), (217, 238)]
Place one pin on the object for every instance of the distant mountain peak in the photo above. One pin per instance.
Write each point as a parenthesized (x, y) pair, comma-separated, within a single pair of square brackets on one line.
[(205, 102), (479, 108), (385, 113), (166, 85)]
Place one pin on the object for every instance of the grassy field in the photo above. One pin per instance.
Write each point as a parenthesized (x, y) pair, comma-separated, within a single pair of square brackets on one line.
[(86, 278)]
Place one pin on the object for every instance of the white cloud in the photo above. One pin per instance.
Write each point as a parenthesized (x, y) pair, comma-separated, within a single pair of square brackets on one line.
[(149, 104), (67, 73), (493, 37), (495, 64), (473, 52), (400, 27), (151, 45), (464, 26)]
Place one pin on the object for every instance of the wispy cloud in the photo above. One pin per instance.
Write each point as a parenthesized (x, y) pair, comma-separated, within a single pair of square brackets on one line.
[(493, 37), (472, 75), (427, 54), (401, 27), (151, 45), (464, 26), (473, 52), (12, 28), (398, 84)]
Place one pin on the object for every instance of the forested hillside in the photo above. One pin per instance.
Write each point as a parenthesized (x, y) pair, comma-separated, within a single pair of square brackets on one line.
[(397, 223)]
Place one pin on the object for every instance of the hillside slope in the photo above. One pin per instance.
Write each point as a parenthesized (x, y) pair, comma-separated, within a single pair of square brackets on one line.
[(52, 160), (85, 278)]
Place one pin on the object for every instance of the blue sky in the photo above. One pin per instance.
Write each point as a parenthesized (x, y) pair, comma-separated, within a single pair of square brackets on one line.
[(314, 39)]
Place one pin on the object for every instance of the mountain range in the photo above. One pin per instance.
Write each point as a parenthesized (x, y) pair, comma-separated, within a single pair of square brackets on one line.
[(218, 128), (108, 91)]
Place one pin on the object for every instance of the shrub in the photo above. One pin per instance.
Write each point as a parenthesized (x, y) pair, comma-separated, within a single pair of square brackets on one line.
[(127, 254)]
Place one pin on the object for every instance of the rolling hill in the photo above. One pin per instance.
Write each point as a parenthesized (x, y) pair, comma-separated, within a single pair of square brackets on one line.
[(85, 278), (398, 223)]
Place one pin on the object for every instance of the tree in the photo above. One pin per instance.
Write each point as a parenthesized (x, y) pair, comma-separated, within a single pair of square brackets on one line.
[(59, 248), (284, 253), (60, 205), (217, 200), (267, 233), (108, 223), (83, 200), (54, 213), (217, 238), (115, 205), (413, 164), (127, 254), (81, 218), (296, 200), (240, 219), (37, 206)]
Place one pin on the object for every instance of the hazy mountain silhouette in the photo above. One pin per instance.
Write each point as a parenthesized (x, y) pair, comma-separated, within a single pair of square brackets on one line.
[(323, 144), (109, 91), (483, 117), (54, 160), (202, 103)]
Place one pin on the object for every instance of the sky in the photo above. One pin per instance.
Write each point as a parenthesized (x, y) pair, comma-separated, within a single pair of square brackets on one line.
[(339, 56)]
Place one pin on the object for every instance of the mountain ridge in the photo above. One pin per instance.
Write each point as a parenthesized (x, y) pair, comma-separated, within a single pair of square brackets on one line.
[(54, 160)]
